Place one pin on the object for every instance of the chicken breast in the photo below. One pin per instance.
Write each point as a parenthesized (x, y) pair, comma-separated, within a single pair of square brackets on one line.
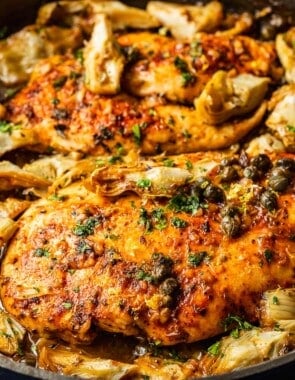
[(171, 266), (56, 111)]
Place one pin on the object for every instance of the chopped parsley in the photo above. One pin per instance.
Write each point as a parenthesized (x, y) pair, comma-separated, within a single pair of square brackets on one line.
[(55, 197), (186, 134), (115, 159), (268, 254), (159, 218), (67, 305), (185, 203), (188, 78), (41, 252), (87, 228), (238, 323), (79, 56), (7, 127), (196, 259), (275, 300), (59, 82), (136, 130), (214, 349), (144, 183), (188, 165), (145, 220), (179, 223), (196, 49), (84, 247), (291, 128), (168, 162), (144, 276)]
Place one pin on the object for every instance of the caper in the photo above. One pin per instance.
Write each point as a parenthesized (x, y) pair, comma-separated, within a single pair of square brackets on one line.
[(230, 210), (214, 194), (251, 172), (231, 225), (286, 163), (229, 174), (268, 200), (279, 179), (229, 161), (169, 286), (261, 162), (162, 266)]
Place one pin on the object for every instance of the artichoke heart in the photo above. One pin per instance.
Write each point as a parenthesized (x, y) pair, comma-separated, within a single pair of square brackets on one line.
[(11, 334), (104, 63), (251, 347), (184, 21), (7, 229), (224, 97), (70, 361), (286, 53), (154, 182), (277, 306)]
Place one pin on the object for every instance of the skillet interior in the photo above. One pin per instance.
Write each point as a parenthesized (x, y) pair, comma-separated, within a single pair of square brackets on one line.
[(17, 13)]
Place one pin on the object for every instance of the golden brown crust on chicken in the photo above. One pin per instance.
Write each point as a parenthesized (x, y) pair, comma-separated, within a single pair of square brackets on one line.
[(169, 269)]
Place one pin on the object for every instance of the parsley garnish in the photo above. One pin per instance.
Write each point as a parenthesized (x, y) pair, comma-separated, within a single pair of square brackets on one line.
[(187, 77), (179, 223), (144, 220), (83, 247), (7, 127), (142, 275), (41, 252), (195, 259), (214, 349), (159, 217), (268, 254), (186, 203), (275, 300), (136, 129), (87, 228), (239, 322), (67, 305), (144, 183), (188, 165), (59, 82), (79, 56), (168, 162), (291, 128)]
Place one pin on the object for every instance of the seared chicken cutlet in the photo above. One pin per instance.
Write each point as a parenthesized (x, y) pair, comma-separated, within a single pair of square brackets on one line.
[(55, 110), (170, 263)]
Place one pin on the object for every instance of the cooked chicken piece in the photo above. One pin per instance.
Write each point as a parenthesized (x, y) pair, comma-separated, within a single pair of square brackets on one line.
[(12, 207), (184, 21), (110, 124), (20, 52), (7, 228), (282, 118), (286, 53), (180, 71), (104, 62), (171, 269)]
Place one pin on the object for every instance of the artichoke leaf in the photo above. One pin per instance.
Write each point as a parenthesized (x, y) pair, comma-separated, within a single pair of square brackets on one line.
[(153, 182), (286, 53), (7, 228), (184, 21), (278, 305), (225, 97), (282, 119), (251, 347), (103, 61), (12, 177), (11, 334), (70, 361)]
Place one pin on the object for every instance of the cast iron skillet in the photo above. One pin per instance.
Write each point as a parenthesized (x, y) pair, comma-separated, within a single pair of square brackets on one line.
[(16, 13)]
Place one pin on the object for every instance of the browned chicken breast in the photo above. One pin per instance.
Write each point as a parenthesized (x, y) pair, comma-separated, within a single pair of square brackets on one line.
[(171, 263), (55, 110)]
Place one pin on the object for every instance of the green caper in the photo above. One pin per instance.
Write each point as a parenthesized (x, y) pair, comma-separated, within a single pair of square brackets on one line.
[(169, 286), (279, 179), (286, 163), (261, 162), (268, 200), (231, 225), (228, 174), (214, 194), (230, 210), (251, 172)]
